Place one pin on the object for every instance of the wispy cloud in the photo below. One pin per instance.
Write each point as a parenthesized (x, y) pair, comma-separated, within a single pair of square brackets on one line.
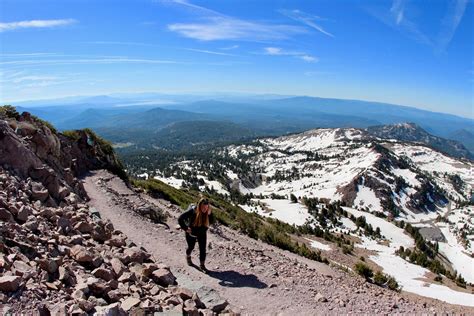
[(450, 23), (307, 19), (28, 54), (214, 26), (316, 73), (86, 61), (398, 18), (10, 26), (119, 43), (204, 51), (230, 47), (227, 28), (397, 10), (193, 6), (277, 51), (33, 78)]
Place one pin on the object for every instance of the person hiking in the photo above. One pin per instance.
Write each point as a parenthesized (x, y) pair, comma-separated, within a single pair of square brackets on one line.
[(195, 222)]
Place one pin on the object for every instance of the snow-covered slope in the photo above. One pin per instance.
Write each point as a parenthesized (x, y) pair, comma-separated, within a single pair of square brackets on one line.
[(381, 179)]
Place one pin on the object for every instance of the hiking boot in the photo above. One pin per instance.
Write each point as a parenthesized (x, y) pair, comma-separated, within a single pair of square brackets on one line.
[(202, 266), (189, 261)]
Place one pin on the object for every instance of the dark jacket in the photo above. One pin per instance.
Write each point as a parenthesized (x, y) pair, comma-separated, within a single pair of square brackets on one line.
[(186, 219)]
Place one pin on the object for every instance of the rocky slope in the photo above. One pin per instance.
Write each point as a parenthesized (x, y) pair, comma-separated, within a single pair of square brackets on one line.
[(410, 132), (57, 255)]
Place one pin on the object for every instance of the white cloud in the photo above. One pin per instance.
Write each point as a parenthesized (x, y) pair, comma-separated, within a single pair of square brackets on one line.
[(277, 51), (307, 19), (227, 28), (274, 51), (309, 59), (9, 26)]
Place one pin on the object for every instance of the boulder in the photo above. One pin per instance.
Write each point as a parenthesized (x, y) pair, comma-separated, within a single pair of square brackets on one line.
[(9, 283), (81, 254), (164, 277), (104, 274), (134, 254)]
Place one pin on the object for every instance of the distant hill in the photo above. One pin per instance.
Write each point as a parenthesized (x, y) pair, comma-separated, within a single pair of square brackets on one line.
[(465, 137), (411, 132)]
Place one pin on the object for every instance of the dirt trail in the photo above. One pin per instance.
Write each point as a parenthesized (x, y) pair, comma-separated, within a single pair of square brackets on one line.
[(256, 278)]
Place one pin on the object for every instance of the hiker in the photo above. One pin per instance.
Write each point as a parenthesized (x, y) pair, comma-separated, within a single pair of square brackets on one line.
[(195, 222)]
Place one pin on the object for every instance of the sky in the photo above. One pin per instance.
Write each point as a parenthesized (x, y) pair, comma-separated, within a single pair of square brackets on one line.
[(414, 53)]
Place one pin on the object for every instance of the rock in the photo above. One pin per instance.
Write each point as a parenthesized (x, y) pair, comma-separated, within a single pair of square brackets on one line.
[(148, 269), (63, 273), (100, 234), (64, 224), (134, 254), (97, 287), (219, 306), (117, 241), (84, 227), (49, 265), (320, 298), (39, 192), (81, 254), (86, 305), (127, 276), (114, 295), (184, 293), (103, 274), (197, 300), (163, 277), (78, 295), (190, 308), (9, 283), (129, 303), (21, 268), (23, 214), (117, 266), (110, 310), (5, 215)]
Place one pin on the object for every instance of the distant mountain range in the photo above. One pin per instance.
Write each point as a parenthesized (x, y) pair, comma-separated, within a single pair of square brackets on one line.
[(270, 115)]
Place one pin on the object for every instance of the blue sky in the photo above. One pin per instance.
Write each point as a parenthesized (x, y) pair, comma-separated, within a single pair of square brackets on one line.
[(415, 53)]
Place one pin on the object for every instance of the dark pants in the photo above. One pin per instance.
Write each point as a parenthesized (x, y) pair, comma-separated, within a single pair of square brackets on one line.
[(201, 239)]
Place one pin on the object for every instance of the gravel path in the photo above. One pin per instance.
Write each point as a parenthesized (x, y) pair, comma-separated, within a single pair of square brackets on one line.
[(256, 278)]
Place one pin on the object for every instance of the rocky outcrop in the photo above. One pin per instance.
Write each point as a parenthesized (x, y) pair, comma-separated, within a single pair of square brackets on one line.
[(31, 148)]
